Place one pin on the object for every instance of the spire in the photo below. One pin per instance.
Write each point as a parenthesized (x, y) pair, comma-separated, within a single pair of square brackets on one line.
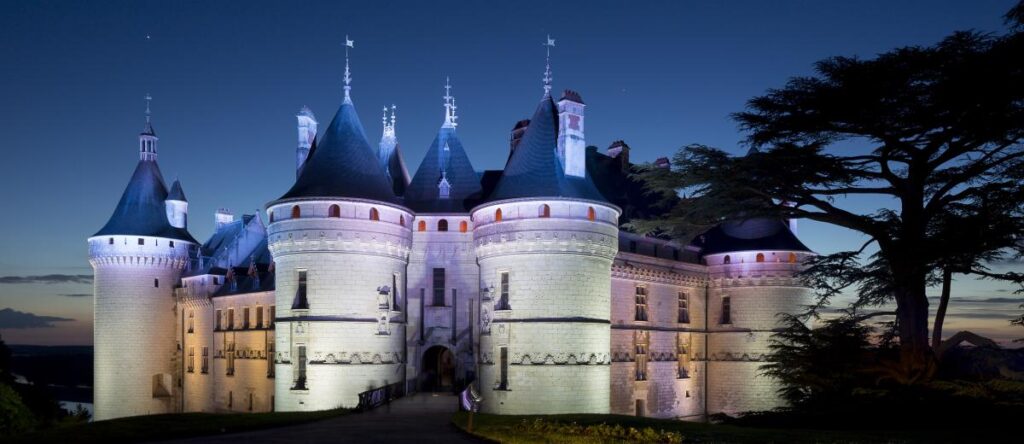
[(348, 75), (389, 128), (147, 138), (449, 105), (547, 67)]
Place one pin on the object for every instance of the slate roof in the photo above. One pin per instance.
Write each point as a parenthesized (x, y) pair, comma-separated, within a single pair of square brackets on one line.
[(423, 194), (343, 164), (397, 171), (176, 192), (534, 170), (749, 235), (141, 210)]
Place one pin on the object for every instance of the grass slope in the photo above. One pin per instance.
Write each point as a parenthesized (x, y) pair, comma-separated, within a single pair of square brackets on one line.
[(172, 426)]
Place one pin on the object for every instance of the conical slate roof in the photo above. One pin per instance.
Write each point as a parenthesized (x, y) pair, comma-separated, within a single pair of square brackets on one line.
[(343, 164), (142, 211), (398, 174), (534, 169), (750, 235), (423, 194), (176, 192)]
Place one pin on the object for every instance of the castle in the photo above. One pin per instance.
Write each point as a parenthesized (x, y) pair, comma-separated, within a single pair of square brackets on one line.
[(518, 281)]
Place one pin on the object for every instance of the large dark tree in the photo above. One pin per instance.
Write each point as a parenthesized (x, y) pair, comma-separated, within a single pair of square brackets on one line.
[(931, 135)]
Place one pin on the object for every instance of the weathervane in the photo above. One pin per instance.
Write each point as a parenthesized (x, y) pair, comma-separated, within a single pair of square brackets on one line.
[(348, 77), (547, 68)]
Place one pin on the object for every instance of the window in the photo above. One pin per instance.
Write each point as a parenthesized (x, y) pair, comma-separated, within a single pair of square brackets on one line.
[(191, 321), (641, 303), (497, 215), (684, 307), (641, 339), (206, 361), (271, 316), (230, 355), (172, 244), (503, 373), (401, 220), (591, 213), (760, 257), (271, 217), (792, 258), (682, 358), (438, 287), (334, 211), (231, 319), (111, 241), (442, 225), (259, 317), (300, 291), (191, 359), (156, 283), (216, 320), (726, 311), (422, 226), (216, 280), (544, 211), (300, 374), (463, 227), (374, 214), (250, 401), (270, 359), (394, 293), (142, 241), (245, 318), (231, 398), (640, 407), (503, 303), (296, 212), (726, 260)]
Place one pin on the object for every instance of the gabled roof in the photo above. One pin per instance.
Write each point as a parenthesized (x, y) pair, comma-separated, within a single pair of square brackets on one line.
[(141, 210), (534, 169), (343, 164), (749, 235), (176, 192), (423, 194)]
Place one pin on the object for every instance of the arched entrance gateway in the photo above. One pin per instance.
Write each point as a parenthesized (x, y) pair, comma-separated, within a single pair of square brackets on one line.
[(438, 370)]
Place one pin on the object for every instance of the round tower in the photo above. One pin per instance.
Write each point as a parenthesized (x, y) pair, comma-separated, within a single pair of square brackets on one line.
[(340, 245), (752, 266), (137, 260), (545, 241)]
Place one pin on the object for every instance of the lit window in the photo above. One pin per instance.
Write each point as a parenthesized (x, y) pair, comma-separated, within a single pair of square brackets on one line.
[(591, 213), (792, 258), (759, 257), (334, 211), (191, 359), (463, 227), (497, 215), (726, 311), (422, 226), (442, 225), (296, 212), (374, 214), (641, 303), (544, 211)]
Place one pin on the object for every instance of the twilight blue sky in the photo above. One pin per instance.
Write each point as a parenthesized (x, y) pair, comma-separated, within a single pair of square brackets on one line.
[(228, 77)]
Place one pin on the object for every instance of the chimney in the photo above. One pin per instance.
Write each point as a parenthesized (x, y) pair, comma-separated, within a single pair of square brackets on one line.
[(662, 162), (223, 217), (571, 142), (619, 149), (307, 135), (517, 135)]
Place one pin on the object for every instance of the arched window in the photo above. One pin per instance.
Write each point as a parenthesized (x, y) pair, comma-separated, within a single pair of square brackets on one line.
[(591, 214), (442, 225), (463, 227), (544, 211), (401, 220), (760, 257), (271, 217), (497, 215), (296, 213), (334, 211), (727, 260), (423, 225), (792, 258), (374, 214)]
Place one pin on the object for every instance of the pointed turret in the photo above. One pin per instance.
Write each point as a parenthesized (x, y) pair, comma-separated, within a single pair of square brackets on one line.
[(177, 206), (445, 180), (307, 126), (390, 155)]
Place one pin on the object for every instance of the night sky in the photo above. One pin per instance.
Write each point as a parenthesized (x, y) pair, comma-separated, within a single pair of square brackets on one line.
[(228, 77)]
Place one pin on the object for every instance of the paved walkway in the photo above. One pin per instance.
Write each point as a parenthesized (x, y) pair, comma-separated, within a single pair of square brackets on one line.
[(422, 418)]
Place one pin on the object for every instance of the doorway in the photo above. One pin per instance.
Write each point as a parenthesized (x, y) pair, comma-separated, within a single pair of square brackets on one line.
[(438, 370)]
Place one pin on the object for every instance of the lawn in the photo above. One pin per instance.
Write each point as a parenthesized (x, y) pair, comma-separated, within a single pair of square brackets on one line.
[(171, 426), (586, 429)]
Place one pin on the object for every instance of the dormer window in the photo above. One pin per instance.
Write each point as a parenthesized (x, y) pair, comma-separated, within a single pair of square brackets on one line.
[(442, 225), (334, 211), (111, 241), (444, 188), (463, 227), (142, 241), (497, 215), (544, 211), (296, 212), (591, 213), (422, 226)]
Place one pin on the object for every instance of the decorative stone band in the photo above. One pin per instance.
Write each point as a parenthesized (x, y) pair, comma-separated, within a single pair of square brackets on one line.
[(622, 270), (346, 358), (443, 250), (657, 328), (542, 358), (241, 354), (192, 300), (570, 320), (625, 356), (333, 319), (756, 281), (174, 262), (373, 244), (548, 242), (743, 357)]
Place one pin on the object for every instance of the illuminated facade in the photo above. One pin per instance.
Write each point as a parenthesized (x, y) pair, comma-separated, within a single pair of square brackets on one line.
[(516, 280)]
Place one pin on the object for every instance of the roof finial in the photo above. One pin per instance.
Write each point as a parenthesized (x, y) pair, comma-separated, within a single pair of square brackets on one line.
[(348, 77), (393, 108), (148, 99), (547, 68), (449, 105), (384, 119)]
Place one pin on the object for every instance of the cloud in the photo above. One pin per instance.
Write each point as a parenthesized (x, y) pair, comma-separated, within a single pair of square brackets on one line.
[(76, 295), (10, 318), (48, 279), (1002, 300)]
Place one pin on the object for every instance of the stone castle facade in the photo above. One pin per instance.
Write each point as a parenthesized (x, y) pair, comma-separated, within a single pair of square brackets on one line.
[(518, 281)]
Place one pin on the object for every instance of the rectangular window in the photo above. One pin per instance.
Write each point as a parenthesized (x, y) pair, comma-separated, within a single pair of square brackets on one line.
[(394, 293), (191, 359), (682, 358), (641, 303), (231, 319), (206, 360), (217, 320), (245, 318), (156, 283), (300, 374), (142, 241), (438, 287), (301, 291), (191, 321), (270, 359), (726, 311), (272, 314), (684, 307), (640, 350), (503, 375), (231, 359), (172, 244), (259, 317), (503, 303)]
